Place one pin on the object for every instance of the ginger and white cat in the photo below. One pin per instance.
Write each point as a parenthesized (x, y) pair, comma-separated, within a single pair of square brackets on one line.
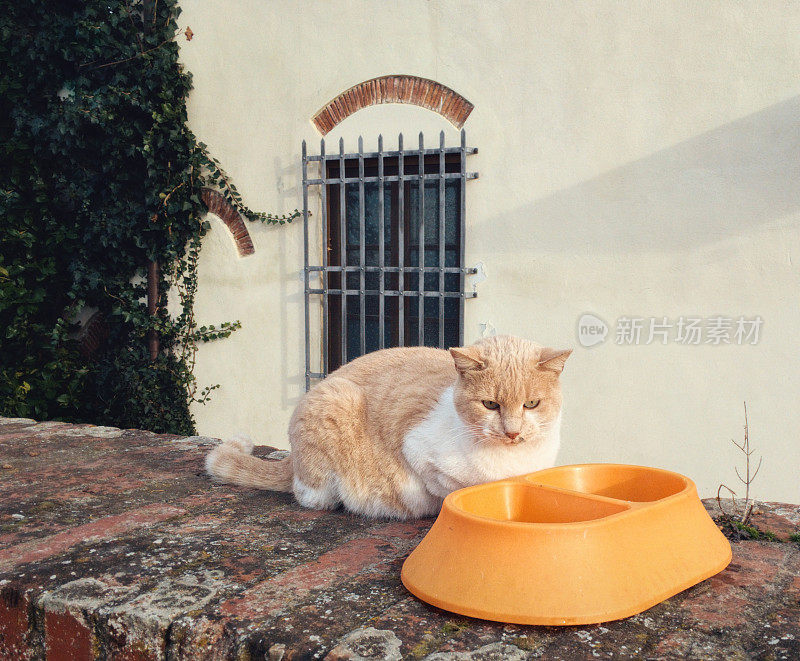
[(391, 433)]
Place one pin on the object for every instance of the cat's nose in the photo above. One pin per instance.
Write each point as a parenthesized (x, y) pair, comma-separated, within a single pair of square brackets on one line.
[(512, 434)]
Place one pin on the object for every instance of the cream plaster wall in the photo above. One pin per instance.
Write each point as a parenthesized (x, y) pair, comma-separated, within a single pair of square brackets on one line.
[(636, 158)]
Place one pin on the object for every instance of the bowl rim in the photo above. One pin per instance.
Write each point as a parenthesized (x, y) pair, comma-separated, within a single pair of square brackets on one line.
[(629, 507)]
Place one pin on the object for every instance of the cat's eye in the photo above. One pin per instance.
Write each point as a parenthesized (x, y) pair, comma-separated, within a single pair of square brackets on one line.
[(532, 404), (489, 404)]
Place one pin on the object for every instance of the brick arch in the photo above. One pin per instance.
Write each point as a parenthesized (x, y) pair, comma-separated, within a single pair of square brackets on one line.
[(394, 89), (219, 206)]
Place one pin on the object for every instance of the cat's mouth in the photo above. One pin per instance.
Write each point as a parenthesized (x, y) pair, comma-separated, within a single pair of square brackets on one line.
[(502, 439)]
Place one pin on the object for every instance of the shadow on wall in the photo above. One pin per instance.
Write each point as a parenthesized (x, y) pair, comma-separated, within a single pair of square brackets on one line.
[(292, 366), (710, 187)]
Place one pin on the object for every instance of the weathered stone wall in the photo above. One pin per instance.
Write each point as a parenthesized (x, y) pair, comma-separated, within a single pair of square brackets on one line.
[(113, 544)]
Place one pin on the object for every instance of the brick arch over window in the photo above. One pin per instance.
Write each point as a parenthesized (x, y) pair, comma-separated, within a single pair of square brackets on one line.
[(219, 206), (394, 89)]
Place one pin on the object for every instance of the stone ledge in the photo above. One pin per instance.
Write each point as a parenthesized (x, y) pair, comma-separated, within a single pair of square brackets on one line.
[(113, 544)]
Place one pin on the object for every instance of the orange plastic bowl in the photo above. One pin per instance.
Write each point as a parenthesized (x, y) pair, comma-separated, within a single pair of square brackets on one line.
[(568, 545)]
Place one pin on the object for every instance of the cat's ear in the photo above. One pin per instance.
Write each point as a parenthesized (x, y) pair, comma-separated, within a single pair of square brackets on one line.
[(466, 359), (553, 359)]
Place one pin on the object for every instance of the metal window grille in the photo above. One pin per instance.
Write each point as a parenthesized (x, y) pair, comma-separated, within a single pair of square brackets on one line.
[(392, 271)]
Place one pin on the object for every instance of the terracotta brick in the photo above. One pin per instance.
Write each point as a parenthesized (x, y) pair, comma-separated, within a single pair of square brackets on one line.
[(427, 94), (443, 99), (426, 99), (104, 528), (394, 89), (321, 120), (350, 104), (464, 109), (436, 99), (345, 103), (447, 104), (352, 558), (14, 623), (333, 113), (66, 638), (420, 90), (338, 111), (370, 88), (360, 95), (415, 94), (409, 90), (454, 109), (435, 96), (92, 335), (723, 600), (217, 205)]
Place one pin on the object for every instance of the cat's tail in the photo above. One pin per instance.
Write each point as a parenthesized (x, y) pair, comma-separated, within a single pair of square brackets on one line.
[(233, 463)]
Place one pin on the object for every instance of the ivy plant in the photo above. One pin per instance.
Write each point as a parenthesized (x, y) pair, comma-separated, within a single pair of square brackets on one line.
[(101, 176)]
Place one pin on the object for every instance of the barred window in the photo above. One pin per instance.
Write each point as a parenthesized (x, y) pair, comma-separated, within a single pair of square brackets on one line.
[(394, 231)]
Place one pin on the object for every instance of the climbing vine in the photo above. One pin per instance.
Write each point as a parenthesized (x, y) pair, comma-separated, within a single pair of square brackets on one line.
[(100, 177)]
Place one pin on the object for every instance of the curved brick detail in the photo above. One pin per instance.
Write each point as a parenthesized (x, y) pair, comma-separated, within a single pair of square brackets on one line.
[(92, 334), (395, 89), (219, 206)]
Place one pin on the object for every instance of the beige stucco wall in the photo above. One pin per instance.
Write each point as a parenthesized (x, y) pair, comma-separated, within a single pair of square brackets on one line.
[(636, 159)]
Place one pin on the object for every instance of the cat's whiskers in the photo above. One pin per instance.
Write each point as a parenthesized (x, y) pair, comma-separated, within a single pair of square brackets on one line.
[(475, 433), (469, 434)]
